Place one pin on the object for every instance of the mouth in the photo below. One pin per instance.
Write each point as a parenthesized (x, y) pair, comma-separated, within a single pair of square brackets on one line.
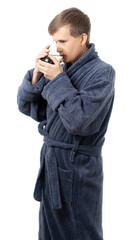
[(60, 53), (58, 57)]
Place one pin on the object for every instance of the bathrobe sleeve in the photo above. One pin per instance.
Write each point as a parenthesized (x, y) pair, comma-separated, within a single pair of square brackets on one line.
[(29, 99), (82, 111)]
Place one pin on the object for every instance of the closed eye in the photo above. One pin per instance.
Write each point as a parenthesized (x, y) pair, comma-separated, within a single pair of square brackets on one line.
[(61, 41)]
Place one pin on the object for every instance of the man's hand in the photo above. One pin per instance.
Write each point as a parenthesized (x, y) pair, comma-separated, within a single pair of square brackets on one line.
[(50, 71), (37, 74)]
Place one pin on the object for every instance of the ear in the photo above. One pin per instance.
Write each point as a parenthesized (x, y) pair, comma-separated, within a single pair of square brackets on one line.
[(83, 39)]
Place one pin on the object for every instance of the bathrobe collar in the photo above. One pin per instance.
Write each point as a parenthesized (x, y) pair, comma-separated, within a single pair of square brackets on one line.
[(88, 56)]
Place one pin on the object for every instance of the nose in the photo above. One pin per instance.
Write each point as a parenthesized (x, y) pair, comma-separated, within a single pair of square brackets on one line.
[(58, 47)]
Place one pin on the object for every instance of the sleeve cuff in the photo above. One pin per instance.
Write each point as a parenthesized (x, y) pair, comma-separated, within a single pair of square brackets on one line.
[(58, 90), (38, 87), (29, 93)]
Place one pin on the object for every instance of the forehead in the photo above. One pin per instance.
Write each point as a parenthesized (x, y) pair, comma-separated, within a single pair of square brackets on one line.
[(62, 33)]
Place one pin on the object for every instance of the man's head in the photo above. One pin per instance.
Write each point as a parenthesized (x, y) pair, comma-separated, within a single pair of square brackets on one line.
[(71, 31)]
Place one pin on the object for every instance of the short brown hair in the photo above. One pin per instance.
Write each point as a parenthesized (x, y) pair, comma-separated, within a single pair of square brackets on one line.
[(78, 21)]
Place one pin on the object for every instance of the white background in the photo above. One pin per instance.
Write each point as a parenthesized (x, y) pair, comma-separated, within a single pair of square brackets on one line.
[(23, 34)]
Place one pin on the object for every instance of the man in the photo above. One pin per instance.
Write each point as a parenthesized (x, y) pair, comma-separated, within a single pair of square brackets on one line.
[(73, 104)]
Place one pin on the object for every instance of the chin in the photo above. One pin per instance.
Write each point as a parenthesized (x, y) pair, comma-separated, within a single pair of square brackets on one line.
[(65, 59)]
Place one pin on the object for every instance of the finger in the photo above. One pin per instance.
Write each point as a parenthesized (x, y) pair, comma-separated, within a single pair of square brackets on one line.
[(41, 56), (44, 64), (47, 46), (41, 68), (43, 53), (46, 49), (60, 60), (43, 71), (53, 59)]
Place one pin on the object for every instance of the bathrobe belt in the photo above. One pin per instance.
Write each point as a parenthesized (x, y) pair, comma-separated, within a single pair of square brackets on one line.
[(52, 168)]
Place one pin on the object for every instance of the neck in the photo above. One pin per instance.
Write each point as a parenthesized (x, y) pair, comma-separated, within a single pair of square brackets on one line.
[(85, 50)]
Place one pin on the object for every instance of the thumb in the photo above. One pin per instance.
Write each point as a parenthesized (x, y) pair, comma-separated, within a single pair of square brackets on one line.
[(60, 60), (53, 58)]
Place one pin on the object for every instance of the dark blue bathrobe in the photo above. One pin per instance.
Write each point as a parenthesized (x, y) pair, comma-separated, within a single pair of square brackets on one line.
[(73, 110)]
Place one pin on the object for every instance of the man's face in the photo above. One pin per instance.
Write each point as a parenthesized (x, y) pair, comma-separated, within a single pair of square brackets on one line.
[(71, 47)]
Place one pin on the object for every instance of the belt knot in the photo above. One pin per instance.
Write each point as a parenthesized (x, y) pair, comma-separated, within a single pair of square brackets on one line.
[(74, 149)]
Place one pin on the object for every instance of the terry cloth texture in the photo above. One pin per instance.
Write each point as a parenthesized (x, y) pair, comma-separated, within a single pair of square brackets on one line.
[(73, 111)]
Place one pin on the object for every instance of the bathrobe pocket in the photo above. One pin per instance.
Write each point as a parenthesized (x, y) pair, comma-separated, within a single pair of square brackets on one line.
[(66, 180)]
